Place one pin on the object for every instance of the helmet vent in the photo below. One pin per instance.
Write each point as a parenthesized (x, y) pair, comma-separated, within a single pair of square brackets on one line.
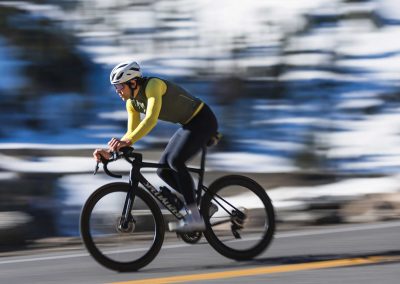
[(120, 75)]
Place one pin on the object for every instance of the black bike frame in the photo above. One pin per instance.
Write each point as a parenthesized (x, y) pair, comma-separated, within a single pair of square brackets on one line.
[(136, 177)]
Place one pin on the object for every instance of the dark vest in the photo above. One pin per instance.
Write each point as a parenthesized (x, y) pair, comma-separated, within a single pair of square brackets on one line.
[(178, 106)]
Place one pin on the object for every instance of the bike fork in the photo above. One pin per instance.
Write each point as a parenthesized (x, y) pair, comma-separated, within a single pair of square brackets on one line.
[(129, 200)]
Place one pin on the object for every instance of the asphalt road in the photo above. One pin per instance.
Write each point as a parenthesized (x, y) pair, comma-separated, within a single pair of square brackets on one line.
[(365, 254)]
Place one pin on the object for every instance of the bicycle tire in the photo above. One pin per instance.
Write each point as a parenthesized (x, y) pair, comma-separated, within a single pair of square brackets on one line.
[(212, 238), (97, 254)]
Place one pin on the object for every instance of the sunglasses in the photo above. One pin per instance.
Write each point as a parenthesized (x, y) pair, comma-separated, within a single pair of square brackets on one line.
[(118, 87)]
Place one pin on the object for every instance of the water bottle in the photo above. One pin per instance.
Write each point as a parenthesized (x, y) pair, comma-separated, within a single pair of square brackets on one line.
[(172, 198)]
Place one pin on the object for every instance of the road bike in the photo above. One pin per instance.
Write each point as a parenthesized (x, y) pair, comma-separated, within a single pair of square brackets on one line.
[(123, 228)]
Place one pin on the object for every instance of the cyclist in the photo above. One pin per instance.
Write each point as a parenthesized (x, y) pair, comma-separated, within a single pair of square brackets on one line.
[(160, 99)]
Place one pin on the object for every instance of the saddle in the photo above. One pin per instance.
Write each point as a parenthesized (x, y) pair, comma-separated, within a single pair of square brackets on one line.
[(214, 139)]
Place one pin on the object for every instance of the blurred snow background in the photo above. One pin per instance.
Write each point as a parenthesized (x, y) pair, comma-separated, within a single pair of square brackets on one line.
[(298, 87)]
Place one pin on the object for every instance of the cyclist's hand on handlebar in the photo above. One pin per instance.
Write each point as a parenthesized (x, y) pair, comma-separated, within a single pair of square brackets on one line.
[(115, 144), (98, 153)]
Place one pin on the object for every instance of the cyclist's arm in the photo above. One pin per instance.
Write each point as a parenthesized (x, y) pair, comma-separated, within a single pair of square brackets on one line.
[(133, 119), (155, 89)]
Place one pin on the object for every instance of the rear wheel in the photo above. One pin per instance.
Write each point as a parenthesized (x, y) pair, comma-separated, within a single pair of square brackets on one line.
[(120, 248), (244, 224)]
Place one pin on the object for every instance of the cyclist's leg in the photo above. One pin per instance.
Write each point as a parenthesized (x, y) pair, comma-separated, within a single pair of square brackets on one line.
[(175, 155), (184, 146), (169, 175), (187, 142)]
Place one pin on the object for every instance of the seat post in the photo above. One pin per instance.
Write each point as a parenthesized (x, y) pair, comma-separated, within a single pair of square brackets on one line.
[(203, 158), (201, 173)]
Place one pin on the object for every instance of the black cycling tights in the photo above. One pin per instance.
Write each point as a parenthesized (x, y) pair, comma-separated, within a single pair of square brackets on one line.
[(186, 143)]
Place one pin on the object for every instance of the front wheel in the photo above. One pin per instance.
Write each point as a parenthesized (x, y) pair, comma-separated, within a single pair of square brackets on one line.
[(116, 247), (242, 223)]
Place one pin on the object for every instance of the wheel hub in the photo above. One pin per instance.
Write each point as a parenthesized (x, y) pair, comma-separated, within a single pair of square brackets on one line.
[(128, 228)]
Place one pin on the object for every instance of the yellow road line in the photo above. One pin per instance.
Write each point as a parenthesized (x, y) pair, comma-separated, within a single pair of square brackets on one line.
[(266, 270)]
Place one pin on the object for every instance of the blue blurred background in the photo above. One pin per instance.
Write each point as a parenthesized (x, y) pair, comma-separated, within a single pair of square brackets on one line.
[(306, 92)]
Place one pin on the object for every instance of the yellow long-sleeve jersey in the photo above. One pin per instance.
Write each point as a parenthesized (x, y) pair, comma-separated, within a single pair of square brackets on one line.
[(158, 99)]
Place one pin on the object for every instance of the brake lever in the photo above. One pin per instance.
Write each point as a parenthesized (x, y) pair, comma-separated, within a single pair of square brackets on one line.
[(96, 168), (114, 157)]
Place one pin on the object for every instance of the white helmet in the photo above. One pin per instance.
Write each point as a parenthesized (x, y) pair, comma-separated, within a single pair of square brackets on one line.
[(124, 72)]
